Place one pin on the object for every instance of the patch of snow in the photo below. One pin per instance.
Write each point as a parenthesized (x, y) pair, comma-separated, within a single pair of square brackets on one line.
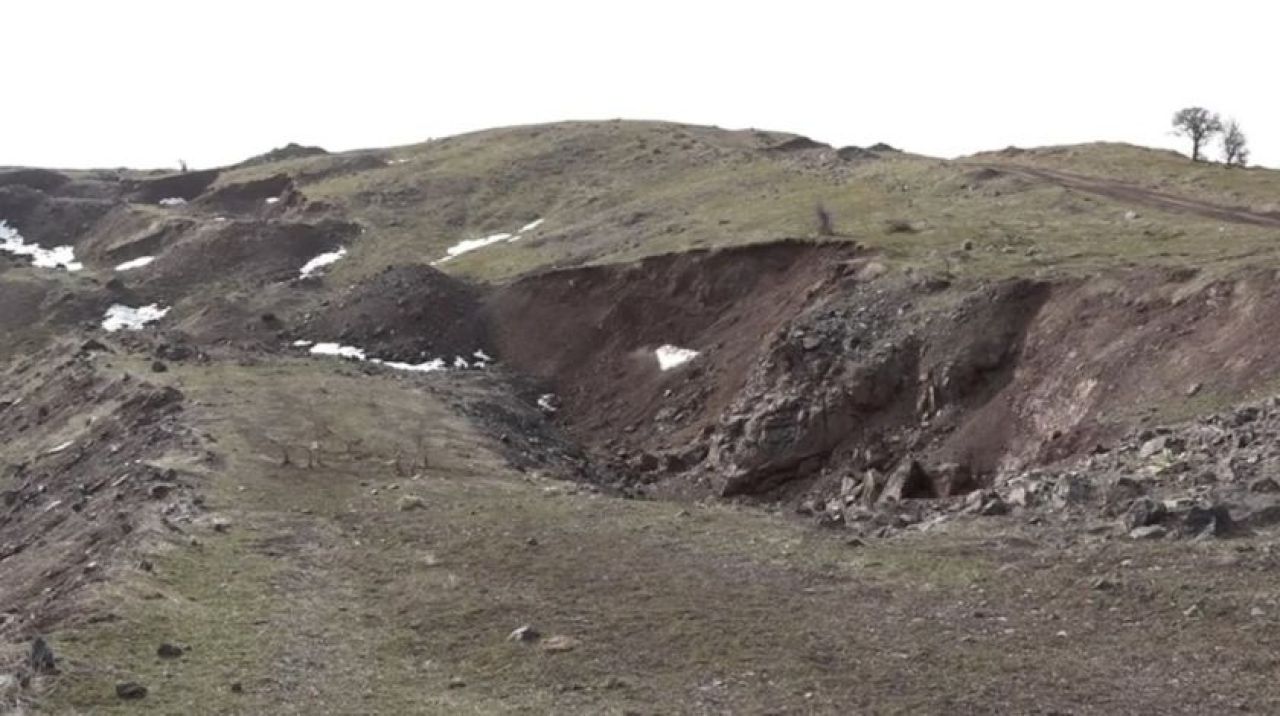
[(273, 199), (393, 162), (59, 448), (670, 356), (482, 357), (219, 218), (547, 403), (319, 262), (57, 257), (358, 354), (173, 201), (136, 263), (124, 317), (336, 349), (526, 229), (463, 247), (428, 367)]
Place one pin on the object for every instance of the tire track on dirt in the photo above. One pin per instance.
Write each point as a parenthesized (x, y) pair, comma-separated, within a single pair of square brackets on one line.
[(1130, 193)]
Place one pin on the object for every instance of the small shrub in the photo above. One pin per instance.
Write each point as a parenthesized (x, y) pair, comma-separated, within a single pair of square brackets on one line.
[(825, 227)]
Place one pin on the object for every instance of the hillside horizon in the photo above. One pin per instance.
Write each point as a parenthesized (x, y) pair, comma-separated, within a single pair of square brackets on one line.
[(671, 123), (624, 417)]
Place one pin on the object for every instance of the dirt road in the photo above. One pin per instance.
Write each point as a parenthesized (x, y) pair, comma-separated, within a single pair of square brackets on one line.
[(1133, 194)]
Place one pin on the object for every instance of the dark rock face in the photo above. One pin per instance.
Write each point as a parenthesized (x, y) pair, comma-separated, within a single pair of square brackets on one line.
[(852, 369)]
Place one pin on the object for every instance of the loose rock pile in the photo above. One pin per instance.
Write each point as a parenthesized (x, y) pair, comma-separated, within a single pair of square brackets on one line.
[(1216, 476)]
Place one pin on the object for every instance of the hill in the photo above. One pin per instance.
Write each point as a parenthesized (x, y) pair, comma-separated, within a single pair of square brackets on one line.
[(331, 427)]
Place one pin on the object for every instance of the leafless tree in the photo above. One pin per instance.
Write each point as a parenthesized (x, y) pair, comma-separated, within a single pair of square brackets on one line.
[(1197, 124), (1235, 146)]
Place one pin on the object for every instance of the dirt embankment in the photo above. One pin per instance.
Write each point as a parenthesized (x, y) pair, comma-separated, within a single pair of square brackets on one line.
[(808, 358), (591, 334), (82, 476), (185, 186), (224, 259), (404, 313), (816, 366)]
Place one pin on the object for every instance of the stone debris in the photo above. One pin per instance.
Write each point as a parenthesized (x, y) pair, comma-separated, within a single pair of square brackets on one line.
[(524, 634), (559, 644), (130, 690)]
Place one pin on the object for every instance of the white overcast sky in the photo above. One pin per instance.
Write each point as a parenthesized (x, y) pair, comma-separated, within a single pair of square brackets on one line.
[(140, 83)]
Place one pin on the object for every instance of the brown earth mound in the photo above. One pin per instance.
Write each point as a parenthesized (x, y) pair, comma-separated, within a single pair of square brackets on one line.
[(816, 369), (797, 144), (85, 488), (404, 313), (46, 220), (187, 186), (292, 150), (338, 166), (591, 334), (251, 196), (41, 179), (852, 153), (33, 310), (243, 253), (122, 236)]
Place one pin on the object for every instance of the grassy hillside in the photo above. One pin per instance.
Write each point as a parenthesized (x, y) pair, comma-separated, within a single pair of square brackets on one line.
[(322, 536), (1255, 188), (325, 595), (613, 191)]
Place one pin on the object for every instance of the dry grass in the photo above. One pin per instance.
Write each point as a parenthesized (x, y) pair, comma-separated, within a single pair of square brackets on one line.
[(326, 598), (620, 191), (1254, 188)]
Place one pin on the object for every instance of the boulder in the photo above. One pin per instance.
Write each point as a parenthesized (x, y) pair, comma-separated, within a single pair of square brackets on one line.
[(1213, 521), (909, 480), (130, 690), (1143, 512), (1071, 491), (950, 479), (1148, 532), (1264, 485), (524, 634)]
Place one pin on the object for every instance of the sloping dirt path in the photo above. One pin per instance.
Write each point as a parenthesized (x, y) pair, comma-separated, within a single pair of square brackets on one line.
[(1130, 193)]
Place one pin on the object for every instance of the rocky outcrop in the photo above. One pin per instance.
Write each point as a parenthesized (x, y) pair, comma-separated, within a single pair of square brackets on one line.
[(865, 368), (809, 403)]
